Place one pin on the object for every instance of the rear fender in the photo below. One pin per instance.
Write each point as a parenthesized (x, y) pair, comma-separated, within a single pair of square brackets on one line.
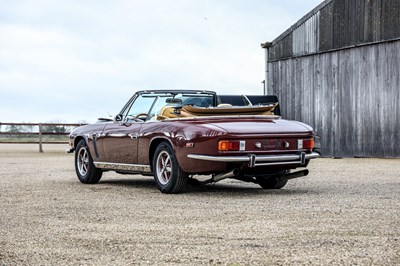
[(154, 144)]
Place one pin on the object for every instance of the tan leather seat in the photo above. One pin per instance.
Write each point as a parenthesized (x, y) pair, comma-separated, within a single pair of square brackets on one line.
[(167, 112)]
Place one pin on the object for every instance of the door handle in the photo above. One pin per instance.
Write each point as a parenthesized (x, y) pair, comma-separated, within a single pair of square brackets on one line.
[(133, 135)]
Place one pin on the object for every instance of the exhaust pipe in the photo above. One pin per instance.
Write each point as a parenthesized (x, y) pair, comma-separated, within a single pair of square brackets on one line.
[(296, 174), (223, 176), (216, 178)]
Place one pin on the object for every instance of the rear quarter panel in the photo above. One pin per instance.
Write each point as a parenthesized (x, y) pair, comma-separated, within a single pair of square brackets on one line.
[(178, 134)]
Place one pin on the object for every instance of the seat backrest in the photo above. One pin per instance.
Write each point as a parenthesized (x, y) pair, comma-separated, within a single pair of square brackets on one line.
[(236, 100), (168, 112)]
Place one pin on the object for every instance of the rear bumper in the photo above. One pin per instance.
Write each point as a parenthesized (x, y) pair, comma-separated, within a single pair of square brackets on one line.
[(260, 160)]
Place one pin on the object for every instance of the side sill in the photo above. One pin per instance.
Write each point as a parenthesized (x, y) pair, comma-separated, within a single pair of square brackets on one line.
[(136, 168)]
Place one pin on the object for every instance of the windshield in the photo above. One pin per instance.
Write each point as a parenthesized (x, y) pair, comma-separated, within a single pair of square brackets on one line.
[(152, 104), (199, 100)]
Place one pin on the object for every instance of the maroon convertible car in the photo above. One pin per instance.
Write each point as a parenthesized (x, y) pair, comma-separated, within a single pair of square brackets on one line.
[(176, 135)]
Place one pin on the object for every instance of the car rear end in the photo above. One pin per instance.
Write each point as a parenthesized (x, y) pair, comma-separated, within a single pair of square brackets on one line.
[(254, 146)]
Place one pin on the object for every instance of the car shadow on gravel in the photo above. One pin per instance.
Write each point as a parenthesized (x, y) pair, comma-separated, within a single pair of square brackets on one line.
[(228, 189), (139, 183), (218, 188)]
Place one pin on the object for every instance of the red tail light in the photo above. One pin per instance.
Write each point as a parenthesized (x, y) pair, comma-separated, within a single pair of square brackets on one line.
[(308, 144), (231, 145), (225, 145)]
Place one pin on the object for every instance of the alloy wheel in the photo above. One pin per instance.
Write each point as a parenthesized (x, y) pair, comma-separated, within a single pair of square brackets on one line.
[(164, 167), (83, 161)]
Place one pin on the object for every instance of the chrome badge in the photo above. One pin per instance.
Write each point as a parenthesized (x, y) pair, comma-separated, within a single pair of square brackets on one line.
[(258, 145)]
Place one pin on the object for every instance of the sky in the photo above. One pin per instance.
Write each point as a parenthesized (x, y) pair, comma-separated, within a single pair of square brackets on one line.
[(76, 60)]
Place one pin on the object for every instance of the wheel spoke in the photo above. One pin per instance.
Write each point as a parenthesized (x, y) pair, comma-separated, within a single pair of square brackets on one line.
[(165, 176), (167, 161), (85, 156), (164, 164)]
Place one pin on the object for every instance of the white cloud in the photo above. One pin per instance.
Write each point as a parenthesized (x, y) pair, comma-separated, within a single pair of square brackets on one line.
[(76, 60)]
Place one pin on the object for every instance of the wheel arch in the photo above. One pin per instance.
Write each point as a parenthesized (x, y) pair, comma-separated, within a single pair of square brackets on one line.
[(153, 146), (78, 139)]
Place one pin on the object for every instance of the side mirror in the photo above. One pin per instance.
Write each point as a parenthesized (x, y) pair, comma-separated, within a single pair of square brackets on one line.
[(118, 118)]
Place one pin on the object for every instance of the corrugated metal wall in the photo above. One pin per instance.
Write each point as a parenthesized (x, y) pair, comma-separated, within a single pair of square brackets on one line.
[(338, 24), (351, 97), (306, 36)]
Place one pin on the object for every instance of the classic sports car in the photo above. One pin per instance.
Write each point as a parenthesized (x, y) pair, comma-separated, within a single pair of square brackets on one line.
[(176, 135)]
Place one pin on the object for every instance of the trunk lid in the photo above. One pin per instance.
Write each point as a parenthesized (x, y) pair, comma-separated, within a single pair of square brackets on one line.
[(261, 126)]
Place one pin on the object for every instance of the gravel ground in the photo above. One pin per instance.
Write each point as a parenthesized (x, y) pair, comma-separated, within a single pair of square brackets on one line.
[(347, 211)]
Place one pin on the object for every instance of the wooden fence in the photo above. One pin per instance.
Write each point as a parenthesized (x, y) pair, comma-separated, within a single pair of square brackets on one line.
[(42, 130)]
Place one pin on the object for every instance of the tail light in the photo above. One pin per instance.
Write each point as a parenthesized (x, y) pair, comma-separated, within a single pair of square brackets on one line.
[(231, 145), (307, 144)]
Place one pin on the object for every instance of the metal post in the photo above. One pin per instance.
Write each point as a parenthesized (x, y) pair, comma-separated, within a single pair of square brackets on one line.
[(266, 83), (266, 46), (40, 138)]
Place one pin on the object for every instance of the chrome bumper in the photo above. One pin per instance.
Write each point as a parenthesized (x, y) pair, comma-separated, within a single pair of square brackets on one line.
[(260, 160)]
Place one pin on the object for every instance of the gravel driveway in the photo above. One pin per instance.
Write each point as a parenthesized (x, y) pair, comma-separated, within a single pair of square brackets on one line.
[(347, 211)]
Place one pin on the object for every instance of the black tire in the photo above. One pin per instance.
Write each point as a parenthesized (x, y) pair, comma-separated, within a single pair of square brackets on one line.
[(169, 176), (271, 182), (85, 170)]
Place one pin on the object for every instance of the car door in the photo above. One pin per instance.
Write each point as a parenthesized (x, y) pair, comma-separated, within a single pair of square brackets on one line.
[(120, 139)]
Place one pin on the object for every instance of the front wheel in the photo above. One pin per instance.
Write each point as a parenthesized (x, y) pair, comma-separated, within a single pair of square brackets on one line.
[(84, 167), (169, 176)]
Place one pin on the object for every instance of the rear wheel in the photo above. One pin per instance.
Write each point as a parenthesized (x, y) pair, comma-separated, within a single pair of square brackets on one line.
[(272, 181), (86, 171), (169, 177)]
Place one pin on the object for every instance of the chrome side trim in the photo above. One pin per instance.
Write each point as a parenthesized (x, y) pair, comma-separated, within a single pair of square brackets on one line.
[(138, 168), (260, 160)]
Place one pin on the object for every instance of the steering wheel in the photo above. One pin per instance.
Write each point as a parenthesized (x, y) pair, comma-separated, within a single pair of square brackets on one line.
[(136, 117)]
